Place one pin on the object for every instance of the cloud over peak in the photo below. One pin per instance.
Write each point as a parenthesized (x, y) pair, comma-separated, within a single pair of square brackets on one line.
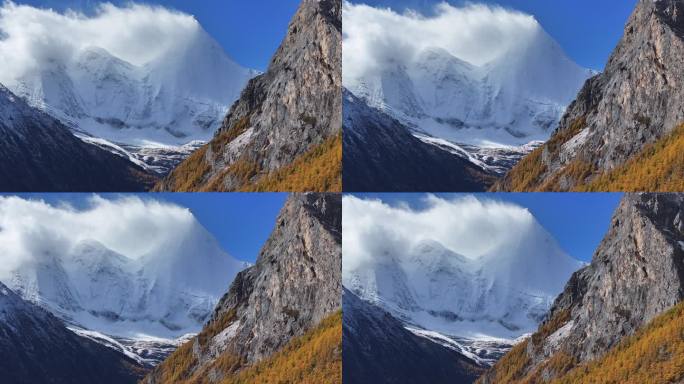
[(136, 33), (130, 226), (465, 225), (475, 33)]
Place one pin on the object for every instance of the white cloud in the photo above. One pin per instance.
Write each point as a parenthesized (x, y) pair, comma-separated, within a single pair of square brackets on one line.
[(138, 34), (130, 226), (474, 33), (466, 225)]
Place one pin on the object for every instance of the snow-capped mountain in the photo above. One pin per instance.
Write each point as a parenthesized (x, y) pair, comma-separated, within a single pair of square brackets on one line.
[(507, 103), (125, 300), (175, 99), (476, 301)]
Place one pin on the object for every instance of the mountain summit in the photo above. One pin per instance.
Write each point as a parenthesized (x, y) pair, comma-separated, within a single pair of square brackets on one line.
[(512, 100), (485, 113), (175, 99)]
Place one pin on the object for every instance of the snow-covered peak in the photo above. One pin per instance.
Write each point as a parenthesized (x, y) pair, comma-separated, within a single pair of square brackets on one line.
[(154, 272), (464, 268), (180, 96), (514, 95)]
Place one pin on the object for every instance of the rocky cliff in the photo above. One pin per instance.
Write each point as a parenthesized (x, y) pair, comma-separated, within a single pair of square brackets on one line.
[(292, 111), (35, 347), (40, 154), (636, 273), (294, 285), (637, 101)]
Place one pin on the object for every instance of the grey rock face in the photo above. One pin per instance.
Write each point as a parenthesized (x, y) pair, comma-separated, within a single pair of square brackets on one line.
[(35, 347), (636, 100), (295, 283), (636, 273), (292, 107), (380, 154)]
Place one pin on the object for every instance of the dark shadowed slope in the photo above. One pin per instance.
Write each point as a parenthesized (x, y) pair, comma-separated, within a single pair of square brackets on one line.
[(380, 154), (35, 347), (39, 154), (378, 349)]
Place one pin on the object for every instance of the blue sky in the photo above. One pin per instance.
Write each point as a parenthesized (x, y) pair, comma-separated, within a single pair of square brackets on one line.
[(241, 222), (250, 31), (578, 221), (588, 30)]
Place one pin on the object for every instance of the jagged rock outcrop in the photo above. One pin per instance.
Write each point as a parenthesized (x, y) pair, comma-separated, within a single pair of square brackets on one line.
[(376, 348), (35, 347), (40, 154), (282, 115), (636, 273), (380, 154), (294, 285), (637, 100)]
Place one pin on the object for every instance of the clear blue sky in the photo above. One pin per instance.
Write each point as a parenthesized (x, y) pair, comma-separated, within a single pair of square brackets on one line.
[(241, 222), (579, 221), (588, 30), (249, 30)]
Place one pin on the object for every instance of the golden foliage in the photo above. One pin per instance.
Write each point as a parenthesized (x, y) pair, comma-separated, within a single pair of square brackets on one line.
[(314, 358), (317, 170), (226, 136), (654, 355), (216, 326), (526, 174), (529, 173), (659, 167), (181, 366), (514, 366), (549, 327), (188, 175)]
